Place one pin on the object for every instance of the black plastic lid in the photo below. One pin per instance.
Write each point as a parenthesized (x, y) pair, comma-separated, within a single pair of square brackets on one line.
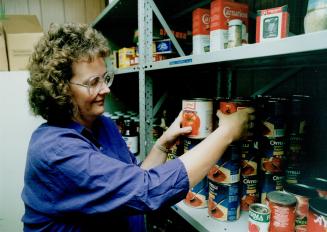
[(316, 182), (301, 190), (318, 205)]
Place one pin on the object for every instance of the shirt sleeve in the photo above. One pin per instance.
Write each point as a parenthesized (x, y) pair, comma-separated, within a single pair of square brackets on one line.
[(85, 180)]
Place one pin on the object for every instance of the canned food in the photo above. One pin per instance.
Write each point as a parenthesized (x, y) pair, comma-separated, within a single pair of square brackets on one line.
[(227, 169), (282, 207), (250, 191), (197, 113), (320, 184), (259, 218), (271, 182), (302, 194), (317, 220), (224, 201), (197, 197), (272, 149), (229, 106), (249, 158)]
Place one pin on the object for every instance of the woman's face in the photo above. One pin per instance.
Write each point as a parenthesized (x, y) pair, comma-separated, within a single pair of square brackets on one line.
[(90, 101)]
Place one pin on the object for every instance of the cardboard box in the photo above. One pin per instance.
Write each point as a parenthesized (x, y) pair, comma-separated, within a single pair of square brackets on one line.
[(3, 52), (22, 32)]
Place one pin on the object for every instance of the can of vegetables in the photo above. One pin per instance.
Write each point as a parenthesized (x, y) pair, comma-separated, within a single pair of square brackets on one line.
[(259, 218), (197, 113)]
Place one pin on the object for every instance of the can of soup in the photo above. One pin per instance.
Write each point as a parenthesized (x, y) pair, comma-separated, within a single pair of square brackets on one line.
[(282, 207), (259, 218), (224, 201), (197, 113), (302, 193), (197, 197), (317, 220), (227, 169)]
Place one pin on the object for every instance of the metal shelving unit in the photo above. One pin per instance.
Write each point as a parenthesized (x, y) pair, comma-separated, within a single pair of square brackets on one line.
[(294, 52)]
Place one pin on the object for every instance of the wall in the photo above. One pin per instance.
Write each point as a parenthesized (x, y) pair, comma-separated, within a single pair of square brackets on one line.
[(59, 11), (16, 125)]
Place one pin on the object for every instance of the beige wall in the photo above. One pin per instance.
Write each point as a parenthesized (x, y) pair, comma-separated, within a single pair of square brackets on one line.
[(58, 11)]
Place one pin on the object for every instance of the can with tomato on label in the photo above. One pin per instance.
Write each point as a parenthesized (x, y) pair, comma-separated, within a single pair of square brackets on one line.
[(317, 219), (282, 207), (197, 113), (224, 201), (302, 193), (229, 106), (259, 218), (271, 182), (227, 169)]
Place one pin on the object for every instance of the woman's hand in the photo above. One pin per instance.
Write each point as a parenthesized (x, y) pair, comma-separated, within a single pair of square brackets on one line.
[(171, 135), (237, 124)]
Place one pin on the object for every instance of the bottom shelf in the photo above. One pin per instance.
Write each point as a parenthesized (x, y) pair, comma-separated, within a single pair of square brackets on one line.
[(200, 219)]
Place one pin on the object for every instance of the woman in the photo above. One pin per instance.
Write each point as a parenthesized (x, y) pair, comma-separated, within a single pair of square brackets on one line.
[(79, 173)]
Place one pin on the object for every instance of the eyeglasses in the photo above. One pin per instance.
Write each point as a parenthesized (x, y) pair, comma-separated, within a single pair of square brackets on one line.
[(95, 84)]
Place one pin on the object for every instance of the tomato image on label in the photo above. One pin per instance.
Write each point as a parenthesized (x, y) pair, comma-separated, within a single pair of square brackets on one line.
[(216, 175), (253, 228), (273, 164), (214, 210), (194, 200), (247, 168), (190, 118)]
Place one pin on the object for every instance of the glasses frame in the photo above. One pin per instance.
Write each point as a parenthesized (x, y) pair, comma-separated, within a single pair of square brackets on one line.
[(107, 78)]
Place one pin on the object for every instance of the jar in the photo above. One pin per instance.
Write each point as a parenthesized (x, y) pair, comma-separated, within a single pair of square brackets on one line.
[(234, 33), (316, 17)]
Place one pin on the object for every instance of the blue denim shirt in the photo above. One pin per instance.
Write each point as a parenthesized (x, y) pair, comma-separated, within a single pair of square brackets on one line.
[(77, 181)]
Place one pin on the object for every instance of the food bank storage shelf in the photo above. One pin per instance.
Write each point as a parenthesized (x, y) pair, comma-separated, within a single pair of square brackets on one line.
[(131, 69), (305, 49), (118, 21), (200, 219)]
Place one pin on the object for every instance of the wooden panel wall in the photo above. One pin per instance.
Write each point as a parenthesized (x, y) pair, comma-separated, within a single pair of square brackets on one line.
[(58, 11)]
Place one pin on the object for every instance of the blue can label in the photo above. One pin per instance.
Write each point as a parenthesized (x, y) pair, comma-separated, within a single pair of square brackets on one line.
[(197, 197), (224, 201)]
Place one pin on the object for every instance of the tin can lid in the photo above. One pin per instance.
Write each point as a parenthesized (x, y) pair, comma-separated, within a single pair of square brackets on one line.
[(318, 205), (281, 198), (301, 190), (316, 182), (235, 22), (259, 208)]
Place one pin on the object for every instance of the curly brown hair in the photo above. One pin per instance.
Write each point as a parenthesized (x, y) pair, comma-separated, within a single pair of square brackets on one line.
[(50, 68)]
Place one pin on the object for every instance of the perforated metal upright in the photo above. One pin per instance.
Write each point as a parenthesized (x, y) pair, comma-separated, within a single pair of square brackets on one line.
[(145, 82)]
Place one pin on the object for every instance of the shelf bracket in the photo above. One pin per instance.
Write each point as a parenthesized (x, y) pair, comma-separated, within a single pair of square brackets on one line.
[(276, 82), (159, 103), (166, 27)]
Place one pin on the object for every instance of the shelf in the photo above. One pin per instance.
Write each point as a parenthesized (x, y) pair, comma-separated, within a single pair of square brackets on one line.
[(200, 219), (118, 22), (132, 69), (301, 50)]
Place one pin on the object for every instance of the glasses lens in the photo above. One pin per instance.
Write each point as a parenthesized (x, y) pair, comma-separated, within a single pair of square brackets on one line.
[(109, 78)]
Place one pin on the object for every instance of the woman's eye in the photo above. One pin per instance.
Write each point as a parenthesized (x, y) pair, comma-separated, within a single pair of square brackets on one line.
[(94, 81)]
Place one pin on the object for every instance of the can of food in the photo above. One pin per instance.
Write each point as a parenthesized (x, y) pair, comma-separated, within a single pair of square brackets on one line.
[(249, 191), (227, 169), (249, 158), (197, 113), (272, 150), (259, 218), (229, 106), (189, 143), (319, 183), (271, 182), (302, 193), (282, 207), (317, 220), (197, 197), (234, 33), (224, 201)]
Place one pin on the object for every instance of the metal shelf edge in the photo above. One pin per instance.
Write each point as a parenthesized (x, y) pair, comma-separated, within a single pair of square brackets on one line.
[(286, 46)]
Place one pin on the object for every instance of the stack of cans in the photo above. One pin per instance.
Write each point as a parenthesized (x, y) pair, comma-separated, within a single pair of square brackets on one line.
[(271, 144)]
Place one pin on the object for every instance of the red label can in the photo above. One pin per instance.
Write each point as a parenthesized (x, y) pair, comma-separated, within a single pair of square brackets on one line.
[(317, 219), (197, 113), (282, 207)]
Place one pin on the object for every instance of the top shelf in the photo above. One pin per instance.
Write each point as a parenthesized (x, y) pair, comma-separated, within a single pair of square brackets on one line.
[(301, 50)]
